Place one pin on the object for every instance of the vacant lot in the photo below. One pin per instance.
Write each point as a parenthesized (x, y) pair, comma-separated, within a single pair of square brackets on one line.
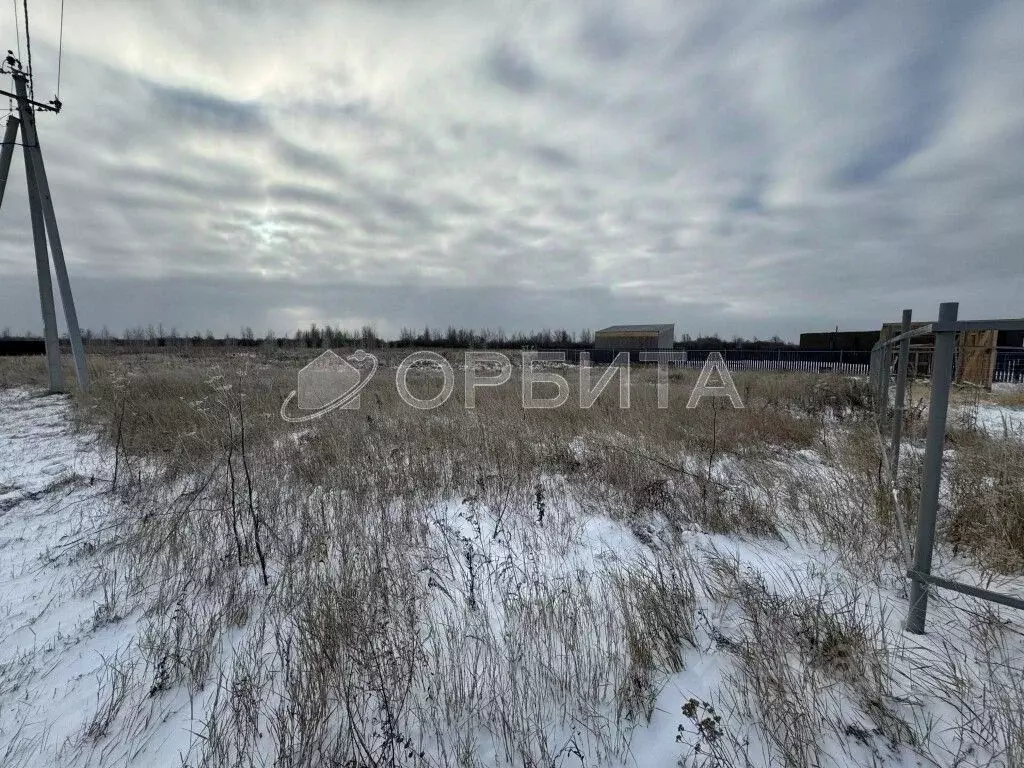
[(191, 580)]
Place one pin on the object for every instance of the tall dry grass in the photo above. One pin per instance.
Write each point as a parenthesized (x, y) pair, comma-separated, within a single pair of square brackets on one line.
[(387, 586)]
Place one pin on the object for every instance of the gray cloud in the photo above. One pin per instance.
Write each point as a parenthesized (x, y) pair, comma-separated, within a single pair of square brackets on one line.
[(194, 110), (734, 167), (510, 68)]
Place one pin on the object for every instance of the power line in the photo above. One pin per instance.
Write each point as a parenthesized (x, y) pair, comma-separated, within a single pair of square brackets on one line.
[(28, 51), (17, 34), (17, 27), (60, 47)]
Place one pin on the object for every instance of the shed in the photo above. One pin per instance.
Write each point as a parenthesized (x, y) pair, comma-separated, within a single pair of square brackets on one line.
[(630, 337)]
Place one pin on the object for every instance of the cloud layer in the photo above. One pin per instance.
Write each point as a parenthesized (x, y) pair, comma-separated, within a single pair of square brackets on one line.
[(740, 167)]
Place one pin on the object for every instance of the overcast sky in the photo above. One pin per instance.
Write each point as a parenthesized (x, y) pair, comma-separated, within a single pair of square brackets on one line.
[(752, 168)]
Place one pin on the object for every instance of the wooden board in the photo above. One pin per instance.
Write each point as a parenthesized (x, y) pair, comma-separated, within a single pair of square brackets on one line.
[(976, 357)]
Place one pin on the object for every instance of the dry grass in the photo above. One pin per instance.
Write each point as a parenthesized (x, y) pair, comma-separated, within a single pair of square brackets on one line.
[(389, 587), (1008, 398), (986, 514)]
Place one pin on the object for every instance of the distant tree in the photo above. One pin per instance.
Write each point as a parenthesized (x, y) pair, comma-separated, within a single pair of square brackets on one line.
[(368, 335)]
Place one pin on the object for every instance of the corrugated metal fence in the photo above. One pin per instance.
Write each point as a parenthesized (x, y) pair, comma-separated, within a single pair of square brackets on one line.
[(812, 361), (1009, 364)]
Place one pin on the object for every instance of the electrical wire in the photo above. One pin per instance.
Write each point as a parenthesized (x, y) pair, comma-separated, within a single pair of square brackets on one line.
[(28, 52), (60, 47), (17, 27), (17, 34)]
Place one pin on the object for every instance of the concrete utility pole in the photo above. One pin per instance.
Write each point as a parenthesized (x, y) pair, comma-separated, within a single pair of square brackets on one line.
[(44, 224)]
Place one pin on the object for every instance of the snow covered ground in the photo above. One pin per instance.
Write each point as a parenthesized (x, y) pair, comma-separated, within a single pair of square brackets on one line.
[(994, 419), (53, 632), (63, 639), (998, 421), (753, 614)]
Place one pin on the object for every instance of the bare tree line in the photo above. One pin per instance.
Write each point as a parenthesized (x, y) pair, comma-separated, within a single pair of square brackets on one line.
[(326, 336)]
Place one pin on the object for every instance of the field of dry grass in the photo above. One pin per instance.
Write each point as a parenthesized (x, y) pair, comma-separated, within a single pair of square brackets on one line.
[(499, 586)]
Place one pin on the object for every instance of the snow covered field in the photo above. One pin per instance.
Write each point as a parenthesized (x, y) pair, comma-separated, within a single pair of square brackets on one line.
[(476, 592), (62, 638), (995, 420)]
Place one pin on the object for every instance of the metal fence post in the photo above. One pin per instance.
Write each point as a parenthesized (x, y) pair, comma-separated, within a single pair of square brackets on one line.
[(881, 374), (873, 372), (901, 387), (886, 368), (942, 377), (880, 383)]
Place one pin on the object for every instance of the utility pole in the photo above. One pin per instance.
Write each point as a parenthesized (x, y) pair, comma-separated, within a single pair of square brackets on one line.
[(44, 223)]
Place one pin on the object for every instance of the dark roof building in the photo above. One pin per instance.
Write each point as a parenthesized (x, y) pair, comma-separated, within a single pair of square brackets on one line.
[(1011, 339), (625, 337), (846, 341)]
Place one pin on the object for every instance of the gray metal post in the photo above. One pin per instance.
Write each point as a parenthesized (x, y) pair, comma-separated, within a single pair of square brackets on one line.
[(942, 377), (901, 394), (883, 412), (31, 142), (873, 371), (7, 153), (45, 284), (874, 376), (883, 373), (880, 373)]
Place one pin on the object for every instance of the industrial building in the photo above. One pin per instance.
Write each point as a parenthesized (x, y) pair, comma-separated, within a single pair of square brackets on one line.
[(978, 352), (21, 346), (863, 341), (844, 341), (1013, 339), (632, 337)]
